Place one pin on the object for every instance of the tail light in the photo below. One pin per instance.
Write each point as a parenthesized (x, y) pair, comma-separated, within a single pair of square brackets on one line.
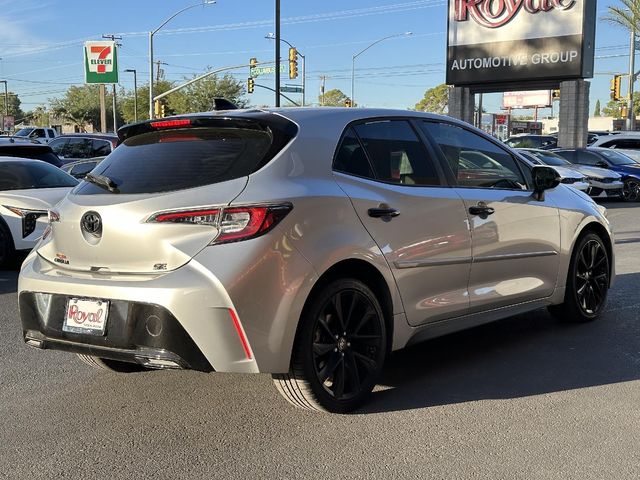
[(29, 218), (233, 223)]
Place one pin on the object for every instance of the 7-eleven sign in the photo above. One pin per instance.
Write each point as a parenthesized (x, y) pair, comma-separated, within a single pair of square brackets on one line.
[(100, 62)]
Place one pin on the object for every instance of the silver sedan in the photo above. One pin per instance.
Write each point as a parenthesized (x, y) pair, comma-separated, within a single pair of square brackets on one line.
[(308, 244)]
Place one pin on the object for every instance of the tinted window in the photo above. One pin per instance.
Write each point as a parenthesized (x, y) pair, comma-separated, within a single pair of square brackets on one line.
[(24, 132), (78, 148), (586, 158), (51, 133), (350, 157), (42, 152), (396, 153), (622, 143), (80, 170), (475, 161), (39, 133), (549, 158), (182, 158), (23, 175), (568, 155), (100, 148), (58, 144)]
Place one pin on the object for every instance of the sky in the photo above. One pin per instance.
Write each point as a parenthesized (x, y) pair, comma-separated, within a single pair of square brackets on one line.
[(41, 45)]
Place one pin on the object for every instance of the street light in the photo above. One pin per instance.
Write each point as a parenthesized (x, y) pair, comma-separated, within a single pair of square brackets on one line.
[(353, 61), (272, 36), (135, 92), (151, 34)]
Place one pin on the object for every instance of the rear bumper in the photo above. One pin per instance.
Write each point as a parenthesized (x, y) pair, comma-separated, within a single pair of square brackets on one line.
[(191, 303), (137, 333)]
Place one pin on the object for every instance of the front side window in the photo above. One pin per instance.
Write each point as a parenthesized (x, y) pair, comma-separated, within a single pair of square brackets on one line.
[(100, 148), (77, 148), (51, 133), (586, 158), (475, 161), (39, 133), (396, 153), (617, 158), (57, 145), (622, 143)]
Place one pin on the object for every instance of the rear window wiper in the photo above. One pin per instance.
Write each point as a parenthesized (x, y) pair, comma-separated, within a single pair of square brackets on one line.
[(102, 181)]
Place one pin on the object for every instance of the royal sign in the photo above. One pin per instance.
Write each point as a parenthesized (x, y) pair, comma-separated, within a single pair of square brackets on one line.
[(506, 42), (100, 62)]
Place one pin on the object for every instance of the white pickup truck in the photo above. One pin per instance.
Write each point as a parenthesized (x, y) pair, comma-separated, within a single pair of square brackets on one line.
[(42, 134)]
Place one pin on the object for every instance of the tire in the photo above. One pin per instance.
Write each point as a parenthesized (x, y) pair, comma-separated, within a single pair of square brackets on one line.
[(7, 250), (339, 351), (631, 190), (110, 365), (587, 282)]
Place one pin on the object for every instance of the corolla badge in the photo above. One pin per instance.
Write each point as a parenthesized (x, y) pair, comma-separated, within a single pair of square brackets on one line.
[(91, 222)]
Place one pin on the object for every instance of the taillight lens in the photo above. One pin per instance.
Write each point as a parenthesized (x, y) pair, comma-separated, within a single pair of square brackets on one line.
[(233, 223)]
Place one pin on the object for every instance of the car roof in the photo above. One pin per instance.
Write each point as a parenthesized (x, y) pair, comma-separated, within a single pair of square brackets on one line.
[(18, 141), (7, 159), (102, 136)]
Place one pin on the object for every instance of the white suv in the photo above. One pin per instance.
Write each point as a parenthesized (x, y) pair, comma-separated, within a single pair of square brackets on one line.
[(42, 134)]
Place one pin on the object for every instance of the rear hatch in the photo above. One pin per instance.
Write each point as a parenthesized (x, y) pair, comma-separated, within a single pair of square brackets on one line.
[(109, 224)]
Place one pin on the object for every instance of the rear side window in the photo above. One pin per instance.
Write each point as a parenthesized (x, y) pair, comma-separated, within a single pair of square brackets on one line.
[(586, 158), (351, 158), (51, 133), (568, 155), (58, 145), (101, 148), (396, 153), (622, 143), (21, 175), (177, 159)]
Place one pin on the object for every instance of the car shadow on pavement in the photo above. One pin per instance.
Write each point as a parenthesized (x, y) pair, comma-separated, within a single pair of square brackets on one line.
[(8, 281), (529, 354)]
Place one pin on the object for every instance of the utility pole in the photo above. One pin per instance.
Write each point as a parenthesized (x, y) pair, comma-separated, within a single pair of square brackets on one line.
[(103, 109), (631, 117), (6, 99), (113, 38), (323, 79), (277, 53)]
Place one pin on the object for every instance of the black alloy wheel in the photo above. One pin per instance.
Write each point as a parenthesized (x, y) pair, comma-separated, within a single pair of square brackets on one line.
[(339, 349), (592, 276), (347, 344), (587, 281), (631, 190)]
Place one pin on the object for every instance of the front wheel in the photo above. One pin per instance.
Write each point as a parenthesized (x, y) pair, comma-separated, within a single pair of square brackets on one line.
[(7, 252), (631, 190), (587, 281), (339, 350)]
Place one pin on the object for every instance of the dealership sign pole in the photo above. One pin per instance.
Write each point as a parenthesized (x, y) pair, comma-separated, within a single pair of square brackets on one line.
[(101, 67)]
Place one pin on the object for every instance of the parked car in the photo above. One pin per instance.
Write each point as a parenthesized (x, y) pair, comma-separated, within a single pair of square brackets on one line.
[(611, 160), (41, 134), (26, 148), (71, 148), (632, 154), (627, 140), (305, 243), (544, 142), (80, 168), (28, 189), (568, 175)]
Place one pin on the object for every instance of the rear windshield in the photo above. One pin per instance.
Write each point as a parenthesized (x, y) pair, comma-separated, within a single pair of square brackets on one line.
[(28, 175), (177, 159)]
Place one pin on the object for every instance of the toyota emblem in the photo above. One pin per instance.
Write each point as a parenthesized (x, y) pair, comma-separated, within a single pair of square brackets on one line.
[(92, 223)]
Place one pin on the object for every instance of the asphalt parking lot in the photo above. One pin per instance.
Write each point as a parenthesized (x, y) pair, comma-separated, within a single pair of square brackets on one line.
[(525, 398)]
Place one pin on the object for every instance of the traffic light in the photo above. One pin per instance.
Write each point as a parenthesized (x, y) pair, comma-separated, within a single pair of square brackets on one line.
[(623, 111), (293, 63), (555, 94), (156, 108), (253, 61), (347, 103), (162, 110), (251, 85), (615, 87)]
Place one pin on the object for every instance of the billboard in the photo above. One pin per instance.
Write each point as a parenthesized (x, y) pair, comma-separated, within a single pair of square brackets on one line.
[(508, 41), (100, 62), (531, 99)]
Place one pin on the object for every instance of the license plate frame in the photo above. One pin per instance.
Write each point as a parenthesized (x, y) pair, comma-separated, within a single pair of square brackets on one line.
[(82, 319)]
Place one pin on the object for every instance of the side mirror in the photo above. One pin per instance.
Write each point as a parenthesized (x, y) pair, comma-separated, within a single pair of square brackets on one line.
[(544, 178)]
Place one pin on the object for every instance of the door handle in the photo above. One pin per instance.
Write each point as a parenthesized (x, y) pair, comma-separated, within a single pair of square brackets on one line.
[(481, 209), (383, 212)]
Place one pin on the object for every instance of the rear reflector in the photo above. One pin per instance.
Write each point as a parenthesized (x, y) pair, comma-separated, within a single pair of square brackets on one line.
[(182, 122), (233, 223), (240, 331)]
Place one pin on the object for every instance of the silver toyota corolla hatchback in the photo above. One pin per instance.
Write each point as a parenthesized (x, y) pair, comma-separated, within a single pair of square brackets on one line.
[(306, 243)]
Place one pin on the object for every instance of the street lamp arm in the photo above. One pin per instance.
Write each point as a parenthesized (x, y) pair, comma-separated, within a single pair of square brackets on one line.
[(178, 13), (377, 42)]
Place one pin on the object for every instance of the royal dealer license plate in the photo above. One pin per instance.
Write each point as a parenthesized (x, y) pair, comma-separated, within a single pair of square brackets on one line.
[(86, 316)]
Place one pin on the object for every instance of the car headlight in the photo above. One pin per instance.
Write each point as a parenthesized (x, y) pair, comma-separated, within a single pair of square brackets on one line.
[(29, 218)]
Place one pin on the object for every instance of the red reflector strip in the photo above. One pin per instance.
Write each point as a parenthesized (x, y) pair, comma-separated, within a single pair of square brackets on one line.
[(241, 335), (183, 122), (167, 217)]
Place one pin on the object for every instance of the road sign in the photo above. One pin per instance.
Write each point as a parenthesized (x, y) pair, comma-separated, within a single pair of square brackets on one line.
[(291, 89), (267, 70), (100, 62), (8, 122)]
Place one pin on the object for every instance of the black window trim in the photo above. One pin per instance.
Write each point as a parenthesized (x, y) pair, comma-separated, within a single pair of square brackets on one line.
[(519, 162), (430, 154)]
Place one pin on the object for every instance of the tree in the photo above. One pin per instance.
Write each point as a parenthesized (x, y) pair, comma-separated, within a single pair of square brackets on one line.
[(127, 102), (80, 105), (614, 108), (13, 103), (333, 98), (435, 100), (198, 97), (596, 111), (626, 16)]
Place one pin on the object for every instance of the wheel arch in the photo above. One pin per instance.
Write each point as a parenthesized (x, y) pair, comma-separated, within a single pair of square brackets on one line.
[(368, 274), (604, 234)]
